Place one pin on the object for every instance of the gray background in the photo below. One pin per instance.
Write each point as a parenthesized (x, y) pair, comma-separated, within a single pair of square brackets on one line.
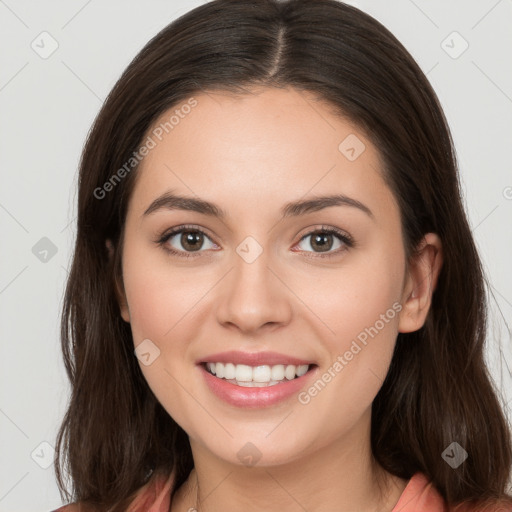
[(48, 103)]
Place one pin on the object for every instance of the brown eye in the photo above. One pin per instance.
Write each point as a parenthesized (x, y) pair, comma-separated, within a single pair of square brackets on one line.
[(184, 240), (191, 240), (321, 241), (325, 239)]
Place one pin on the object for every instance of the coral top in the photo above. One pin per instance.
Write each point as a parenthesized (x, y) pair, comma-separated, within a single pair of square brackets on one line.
[(419, 495)]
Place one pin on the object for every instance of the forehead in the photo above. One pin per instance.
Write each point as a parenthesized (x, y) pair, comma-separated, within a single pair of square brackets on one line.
[(270, 145)]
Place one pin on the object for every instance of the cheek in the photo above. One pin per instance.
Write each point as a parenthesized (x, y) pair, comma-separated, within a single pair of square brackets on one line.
[(161, 309), (360, 306), (354, 298), (164, 303), (149, 308), (159, 297)]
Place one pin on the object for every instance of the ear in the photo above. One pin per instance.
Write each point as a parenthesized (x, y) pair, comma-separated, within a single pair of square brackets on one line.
[(119, 288), (420, 283)]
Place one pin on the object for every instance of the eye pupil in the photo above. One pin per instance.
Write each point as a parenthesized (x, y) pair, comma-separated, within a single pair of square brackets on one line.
[(189, 240), (317, 240)]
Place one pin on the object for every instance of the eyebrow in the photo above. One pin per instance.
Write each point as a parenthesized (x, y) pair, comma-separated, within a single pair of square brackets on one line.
[(171, 201)]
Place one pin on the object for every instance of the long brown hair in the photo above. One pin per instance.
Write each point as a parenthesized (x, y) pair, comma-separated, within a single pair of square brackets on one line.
[(438, 389)]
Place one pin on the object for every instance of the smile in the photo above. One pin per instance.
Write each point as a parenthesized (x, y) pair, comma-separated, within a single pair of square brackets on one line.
[(256, 376), (256, 386)]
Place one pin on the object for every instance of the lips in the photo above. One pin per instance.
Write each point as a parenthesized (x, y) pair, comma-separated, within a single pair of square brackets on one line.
[(254, 359), (257, 395)]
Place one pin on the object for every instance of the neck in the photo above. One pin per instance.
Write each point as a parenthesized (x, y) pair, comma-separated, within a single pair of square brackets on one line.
[(342, 476)]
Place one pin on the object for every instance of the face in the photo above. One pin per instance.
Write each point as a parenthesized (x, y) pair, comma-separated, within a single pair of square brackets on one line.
[(266, 289)]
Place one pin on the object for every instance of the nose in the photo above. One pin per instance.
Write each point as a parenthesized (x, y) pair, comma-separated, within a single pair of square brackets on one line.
[(253, 296)]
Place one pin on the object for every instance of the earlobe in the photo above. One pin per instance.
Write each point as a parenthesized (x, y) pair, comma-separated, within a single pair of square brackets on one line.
[(125, 313), (110, 248), (420, 283), (120, 295)]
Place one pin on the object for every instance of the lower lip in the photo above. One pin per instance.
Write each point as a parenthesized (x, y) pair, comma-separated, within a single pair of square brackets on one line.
[(245, 397)]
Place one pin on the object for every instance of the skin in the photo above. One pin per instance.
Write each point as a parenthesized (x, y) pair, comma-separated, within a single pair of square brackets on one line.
[(250, 155)]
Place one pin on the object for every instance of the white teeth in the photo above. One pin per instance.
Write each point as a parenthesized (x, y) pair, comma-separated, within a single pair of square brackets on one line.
[(302, 369), (254, 384), (277, 372), (243, 373), (257, 376), (261, 374), (219, 370), (229, 371), (289, 372)]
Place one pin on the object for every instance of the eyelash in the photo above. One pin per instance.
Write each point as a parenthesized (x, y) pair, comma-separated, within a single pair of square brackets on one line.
[(342, 236)]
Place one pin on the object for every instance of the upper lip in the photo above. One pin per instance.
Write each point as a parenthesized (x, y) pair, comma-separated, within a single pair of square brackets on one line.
[(253, 358)]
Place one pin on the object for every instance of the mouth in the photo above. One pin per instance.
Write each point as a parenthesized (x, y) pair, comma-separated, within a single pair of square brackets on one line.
[(262, 375), (255, 379)]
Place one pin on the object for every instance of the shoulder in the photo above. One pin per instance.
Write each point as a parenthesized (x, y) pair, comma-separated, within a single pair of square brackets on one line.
[(420, 495), (75, 507), (154, 496)]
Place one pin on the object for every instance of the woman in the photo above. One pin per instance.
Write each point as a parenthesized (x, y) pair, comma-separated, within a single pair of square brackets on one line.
[(275, 301)]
